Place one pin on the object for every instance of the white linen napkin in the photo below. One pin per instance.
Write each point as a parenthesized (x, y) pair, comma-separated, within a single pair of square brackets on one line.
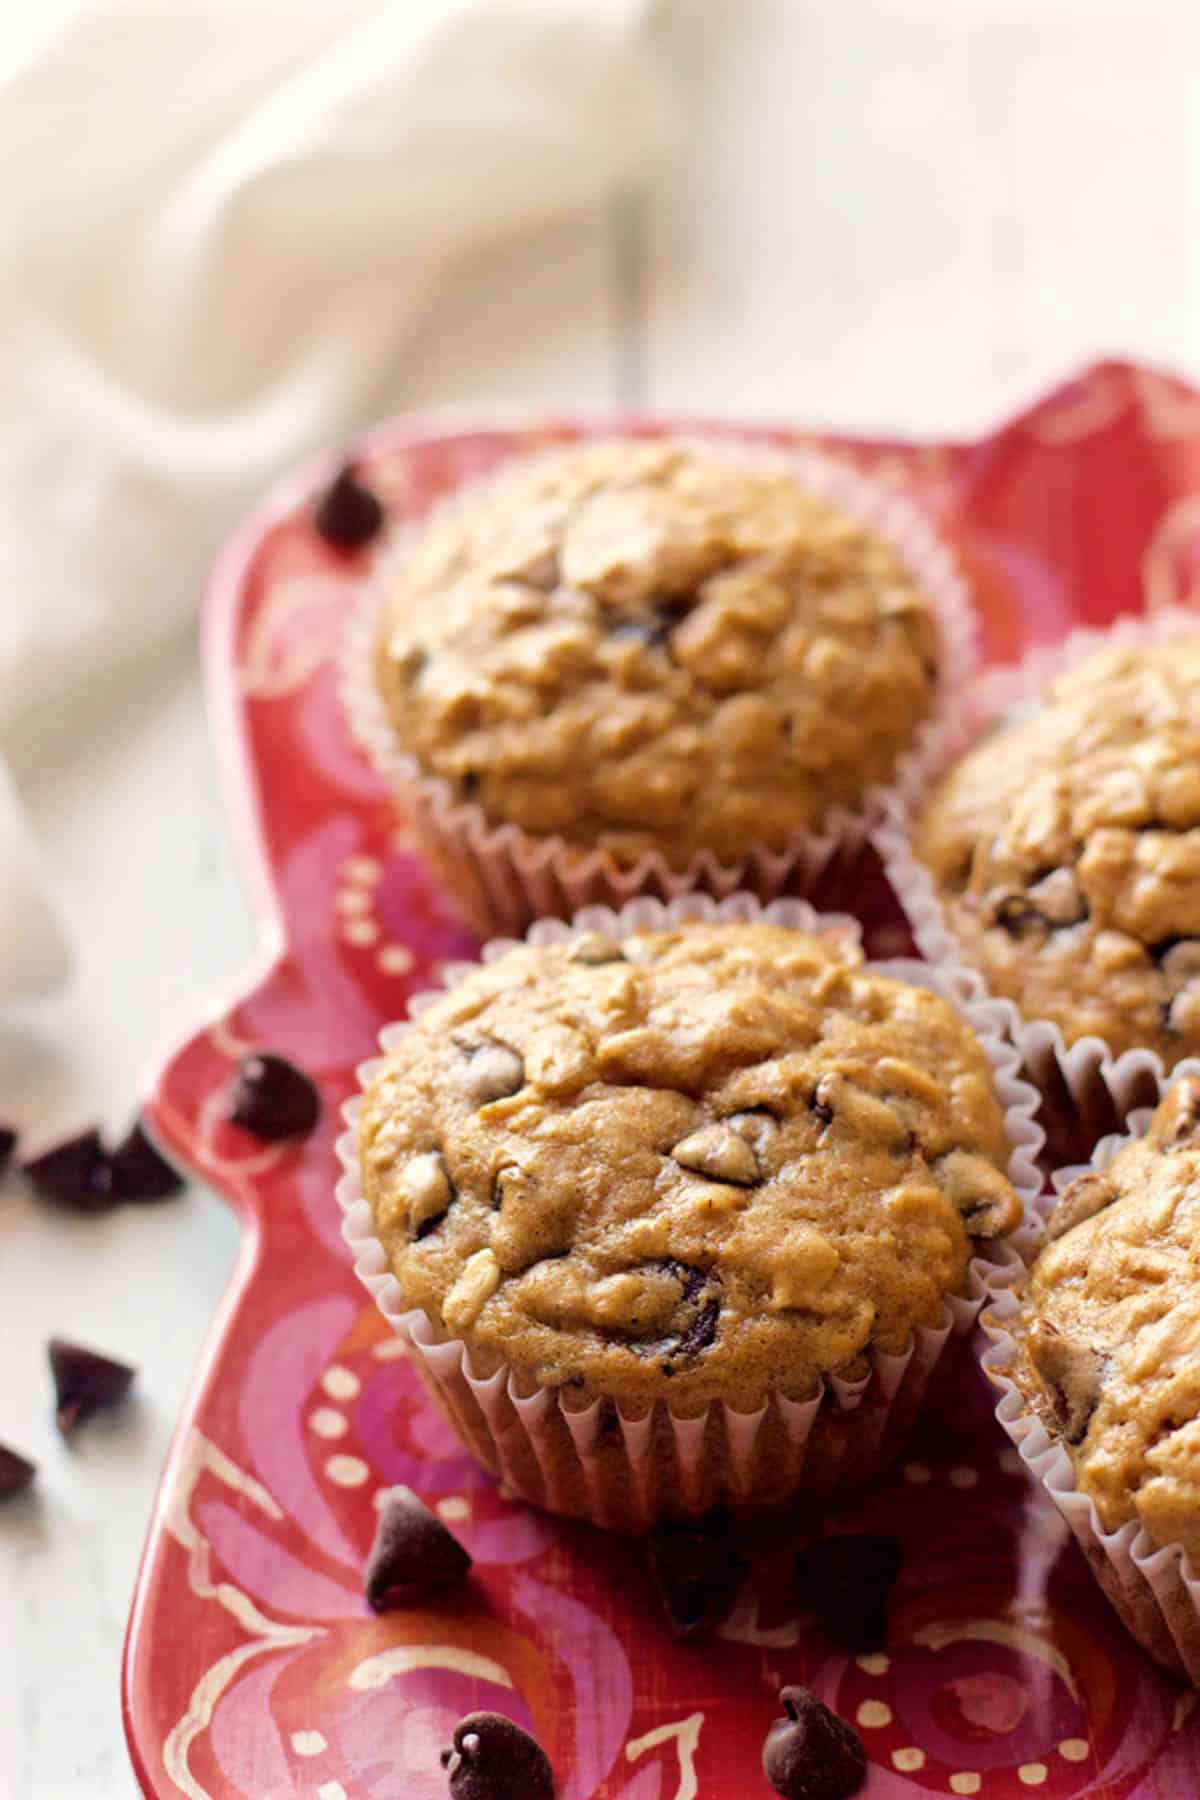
[(219, 224)]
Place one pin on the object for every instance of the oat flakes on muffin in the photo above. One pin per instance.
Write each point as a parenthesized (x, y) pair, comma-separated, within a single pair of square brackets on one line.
[(642, 647), (1065, 850), (718, 1163), (1110, 1334)]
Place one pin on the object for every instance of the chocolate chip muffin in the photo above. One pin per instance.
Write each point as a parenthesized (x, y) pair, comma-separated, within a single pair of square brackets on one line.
[(714, 1164), (1065, 849), (1110, 1335), (639, 647)]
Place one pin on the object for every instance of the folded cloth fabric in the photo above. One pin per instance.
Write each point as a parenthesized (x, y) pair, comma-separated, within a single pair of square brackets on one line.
[(220, 224)]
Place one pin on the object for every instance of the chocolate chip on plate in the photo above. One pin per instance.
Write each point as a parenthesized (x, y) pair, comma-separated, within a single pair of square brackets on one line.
[(846, 1580), (137, 1171), (273, 1099), (697, 1570), (85, 1382), (75, 1173), (493, 1759), (16, 1472), (413, 1554), (812, 1754), (348, 514), (8, 1143)]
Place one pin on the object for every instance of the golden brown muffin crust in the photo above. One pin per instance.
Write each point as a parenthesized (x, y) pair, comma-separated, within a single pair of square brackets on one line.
[(642, 647), (1066, 851), (705, 1163), (1110, 1353)]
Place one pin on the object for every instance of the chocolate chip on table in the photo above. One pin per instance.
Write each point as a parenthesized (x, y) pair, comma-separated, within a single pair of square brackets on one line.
[(697, 1570), (273, 1099), (16, 1472), (1071, 1374), (348, 514), (8, 1143), (85, 1382), (494, 1070), (138, 1172), (812, 1754), (75, 1173), (493, 1759), (846, 1580), (413, 1554)]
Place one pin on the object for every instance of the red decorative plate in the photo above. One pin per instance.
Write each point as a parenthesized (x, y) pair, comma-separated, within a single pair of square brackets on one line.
[(253, 1666)]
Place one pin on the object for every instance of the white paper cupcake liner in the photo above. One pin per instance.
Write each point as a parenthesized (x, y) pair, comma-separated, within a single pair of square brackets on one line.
[(1152, 1589), (505, 877), (624, 1473), (1086, 1089)]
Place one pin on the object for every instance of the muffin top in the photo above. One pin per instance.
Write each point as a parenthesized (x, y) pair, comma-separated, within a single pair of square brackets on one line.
[(1111, 1353), (639, 646), (704, 1162), (1066, 848)]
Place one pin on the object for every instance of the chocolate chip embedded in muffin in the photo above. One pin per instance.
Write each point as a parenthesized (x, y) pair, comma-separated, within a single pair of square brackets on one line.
[(1066, 852), (729, 1161), (1071, 1373), (1109, 1333), (645, 647)]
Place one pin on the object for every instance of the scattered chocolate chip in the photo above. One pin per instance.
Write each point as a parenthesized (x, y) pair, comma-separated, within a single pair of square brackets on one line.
[(75, 1173), (16, 1472), (812, 1754), (85, 1382), (413, 1554), (720, 1153), (1086, 1196), (274, 1099), (348, 514), (1071, 1374), (8, 1143), (847, 1580), (137, 1171), (494, 1070), (493, 1759), (697, 1570)]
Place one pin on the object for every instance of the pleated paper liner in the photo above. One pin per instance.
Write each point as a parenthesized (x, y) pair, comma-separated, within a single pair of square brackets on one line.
[(623, 1473), (503, 877), (1152, 1588)]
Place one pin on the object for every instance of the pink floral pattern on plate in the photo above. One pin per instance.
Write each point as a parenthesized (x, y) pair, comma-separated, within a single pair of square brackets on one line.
[(254, 1669)]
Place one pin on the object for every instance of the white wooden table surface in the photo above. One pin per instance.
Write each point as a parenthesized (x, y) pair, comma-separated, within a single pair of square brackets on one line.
[(902, 217)]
